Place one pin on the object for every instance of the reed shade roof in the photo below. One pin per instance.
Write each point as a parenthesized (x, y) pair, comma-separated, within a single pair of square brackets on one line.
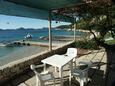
[(61, 10), (48, 5)]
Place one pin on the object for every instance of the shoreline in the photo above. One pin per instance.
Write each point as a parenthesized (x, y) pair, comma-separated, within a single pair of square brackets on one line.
[(43, 41)]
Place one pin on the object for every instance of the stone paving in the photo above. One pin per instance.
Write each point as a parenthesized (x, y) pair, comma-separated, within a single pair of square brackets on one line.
[(96, 73)]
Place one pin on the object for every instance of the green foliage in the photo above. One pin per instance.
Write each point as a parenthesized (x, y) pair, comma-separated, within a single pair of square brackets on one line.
[(86, 44), (82, 24), (110, 42), (97, 18)]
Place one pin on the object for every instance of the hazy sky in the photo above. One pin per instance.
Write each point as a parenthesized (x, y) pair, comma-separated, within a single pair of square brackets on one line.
[(12, 22)]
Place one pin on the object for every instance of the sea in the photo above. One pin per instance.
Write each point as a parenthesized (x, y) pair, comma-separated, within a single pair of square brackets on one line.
[(9, 54)]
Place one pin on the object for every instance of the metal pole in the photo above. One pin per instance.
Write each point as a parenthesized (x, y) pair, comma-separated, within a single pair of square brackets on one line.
[(50, 34)]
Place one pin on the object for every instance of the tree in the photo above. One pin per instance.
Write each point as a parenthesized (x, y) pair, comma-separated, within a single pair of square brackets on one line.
[(94, 15), (97, 16)]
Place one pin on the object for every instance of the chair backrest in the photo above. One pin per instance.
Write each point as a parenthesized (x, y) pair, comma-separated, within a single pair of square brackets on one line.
[(41, 78), (88, 63), (33, 67), (71, 52)]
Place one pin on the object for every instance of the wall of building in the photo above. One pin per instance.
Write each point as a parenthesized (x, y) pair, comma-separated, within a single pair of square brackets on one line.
[(14, 68)]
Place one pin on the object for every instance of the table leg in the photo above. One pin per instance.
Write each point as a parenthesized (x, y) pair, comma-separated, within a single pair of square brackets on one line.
[(55, 69), (71, 65), (61, 75), (75, 62), (44, 67)]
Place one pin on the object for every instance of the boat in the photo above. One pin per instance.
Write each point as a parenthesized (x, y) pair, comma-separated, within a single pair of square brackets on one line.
[(28, 36)]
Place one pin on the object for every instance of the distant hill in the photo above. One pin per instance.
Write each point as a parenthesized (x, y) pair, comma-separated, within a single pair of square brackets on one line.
[(64, 26), (1, 29), (21, 28)]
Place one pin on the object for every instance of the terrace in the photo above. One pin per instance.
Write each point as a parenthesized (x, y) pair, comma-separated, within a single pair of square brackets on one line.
[(60, 10), (96, 74)]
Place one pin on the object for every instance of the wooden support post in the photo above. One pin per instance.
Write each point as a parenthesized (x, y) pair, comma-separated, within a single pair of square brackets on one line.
[(50, 34), (74, 31)]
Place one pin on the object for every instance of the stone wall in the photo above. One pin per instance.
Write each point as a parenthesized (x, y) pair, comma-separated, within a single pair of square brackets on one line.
[(16, 67)]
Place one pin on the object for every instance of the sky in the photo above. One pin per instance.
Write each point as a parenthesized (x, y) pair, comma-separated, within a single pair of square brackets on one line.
[(12, 22)]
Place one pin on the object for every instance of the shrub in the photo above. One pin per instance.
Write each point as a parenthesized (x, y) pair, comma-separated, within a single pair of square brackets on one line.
[(90, 44)]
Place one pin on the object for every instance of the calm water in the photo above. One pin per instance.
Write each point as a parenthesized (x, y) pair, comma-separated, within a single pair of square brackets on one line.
[(8, 54), (14, 53)]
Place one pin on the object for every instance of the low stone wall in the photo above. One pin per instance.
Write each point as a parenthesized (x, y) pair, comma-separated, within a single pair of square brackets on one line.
[(14, 68)]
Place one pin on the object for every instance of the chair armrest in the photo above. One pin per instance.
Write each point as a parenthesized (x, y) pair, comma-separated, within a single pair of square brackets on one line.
[(89, 63), (84, 62), (32, 66)]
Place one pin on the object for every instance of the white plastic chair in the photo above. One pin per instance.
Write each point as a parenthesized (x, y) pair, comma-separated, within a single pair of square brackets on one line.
[(43, 77), (72, 52), (81, 72)]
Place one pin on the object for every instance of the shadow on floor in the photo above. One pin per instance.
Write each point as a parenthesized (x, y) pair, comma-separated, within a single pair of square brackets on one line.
[(16, 80), (95, 75), (96, 78)]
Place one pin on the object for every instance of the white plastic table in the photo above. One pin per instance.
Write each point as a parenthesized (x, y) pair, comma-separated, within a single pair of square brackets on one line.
[(59, 61)]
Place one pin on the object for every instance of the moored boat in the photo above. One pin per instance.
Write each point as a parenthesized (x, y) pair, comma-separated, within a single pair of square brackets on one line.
[(28, 36)]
